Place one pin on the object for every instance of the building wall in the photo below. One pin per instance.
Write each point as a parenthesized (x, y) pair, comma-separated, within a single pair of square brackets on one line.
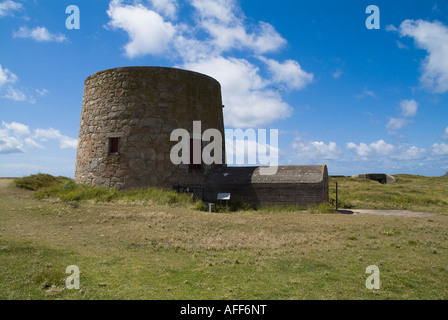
[(141, 106), (292, 185)]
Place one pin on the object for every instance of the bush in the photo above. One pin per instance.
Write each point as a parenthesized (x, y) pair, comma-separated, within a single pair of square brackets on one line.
[(199, 206), (324, 207)]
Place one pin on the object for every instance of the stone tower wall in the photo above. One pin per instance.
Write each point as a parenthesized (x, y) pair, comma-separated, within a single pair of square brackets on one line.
[(141, 106)]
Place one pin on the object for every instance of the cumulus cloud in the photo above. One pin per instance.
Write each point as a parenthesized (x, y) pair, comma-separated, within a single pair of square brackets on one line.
[(397, 123), (8, 7), (65, 142), (8, 91), (42, 92), (391, 28), (224, 22), (316, 149), (365, 93), (337, 74), (16, 95), (363, 150), (432, 37), (14, 137), (18, 129), (409, 108), (440, 149), (404, 152), (379, 147), (166, 7), (247, 101), (6, 76), (40, 34), (147, 30), (32, 143), (382, 148), (289, 73), (8, 143)]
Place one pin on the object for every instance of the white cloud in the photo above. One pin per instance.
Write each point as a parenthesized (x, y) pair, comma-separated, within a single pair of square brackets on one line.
[(17, 128), (391, 28), (408, 153), (6, 76), (409, 108), (16, 95), (225, 38), (32, 143), (166, 7), (148, 32), (40, 34), (432, 37), (401, 45), (42, 92), (15, 136), (289, 73), (378, 148), (8, 143), (440, 149), (225, 23), (65, 142), (11, 135), (365, 93), (397, 123), (382, 149), (363, 150), (316, 150), (8, 6), (446, 130), (337, 74), (220, 10), (248, 101)]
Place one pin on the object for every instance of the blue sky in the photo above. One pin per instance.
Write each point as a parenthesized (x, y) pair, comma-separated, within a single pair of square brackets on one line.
[(358, 100)]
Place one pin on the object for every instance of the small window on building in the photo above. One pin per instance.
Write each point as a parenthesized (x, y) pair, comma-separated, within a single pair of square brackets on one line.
[(192, 164), (114, 145)]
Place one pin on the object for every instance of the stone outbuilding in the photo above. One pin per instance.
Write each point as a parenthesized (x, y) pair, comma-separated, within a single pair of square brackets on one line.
[(292, 185), (379, 177)]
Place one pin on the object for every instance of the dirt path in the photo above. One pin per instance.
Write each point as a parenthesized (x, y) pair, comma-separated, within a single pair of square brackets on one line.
[(393, 213)]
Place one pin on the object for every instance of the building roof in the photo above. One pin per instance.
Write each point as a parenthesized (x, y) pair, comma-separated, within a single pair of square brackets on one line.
[(285, 174)]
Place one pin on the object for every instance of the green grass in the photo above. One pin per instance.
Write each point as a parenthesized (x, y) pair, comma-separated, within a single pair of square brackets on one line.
[(66, 190), (129, 249), (409, 192)]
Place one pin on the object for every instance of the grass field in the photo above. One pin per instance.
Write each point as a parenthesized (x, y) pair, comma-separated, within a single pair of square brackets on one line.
[(133, 247)]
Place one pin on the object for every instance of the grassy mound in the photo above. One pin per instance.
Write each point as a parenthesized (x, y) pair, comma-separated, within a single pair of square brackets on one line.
[(65, 189), (39, 181)]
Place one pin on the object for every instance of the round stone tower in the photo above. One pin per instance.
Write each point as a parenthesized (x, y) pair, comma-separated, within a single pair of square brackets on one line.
[(128, 115)]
